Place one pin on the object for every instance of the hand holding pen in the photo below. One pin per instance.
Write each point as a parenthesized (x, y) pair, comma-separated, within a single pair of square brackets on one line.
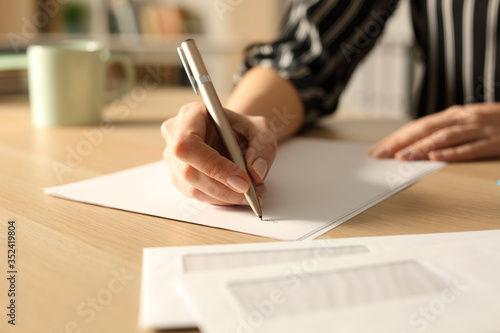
[(197, 160)]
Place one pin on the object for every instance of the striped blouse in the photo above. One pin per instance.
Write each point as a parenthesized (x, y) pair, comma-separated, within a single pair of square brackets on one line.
[(322, 41)]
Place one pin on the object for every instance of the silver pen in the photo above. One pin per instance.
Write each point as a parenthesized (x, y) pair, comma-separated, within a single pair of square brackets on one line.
[(202, 85)]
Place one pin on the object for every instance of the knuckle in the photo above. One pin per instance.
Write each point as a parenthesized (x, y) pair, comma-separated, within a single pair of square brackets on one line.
[(166, 127), (478, 117), (211, 170), (186, 108), (442, 135), (166, 155), (251, 153), (220, 193), (457, 113), (215, 168), (187, 172), (193, 192), (426, 127), (454, 109), (273, 148), (180, 146), (264, 121)]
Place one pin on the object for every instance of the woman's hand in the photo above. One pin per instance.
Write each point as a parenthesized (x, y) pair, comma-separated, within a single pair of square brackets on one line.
[(460, 133), (198, 166)]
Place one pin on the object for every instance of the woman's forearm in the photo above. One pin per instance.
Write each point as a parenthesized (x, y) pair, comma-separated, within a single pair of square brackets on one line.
[(262, 92)]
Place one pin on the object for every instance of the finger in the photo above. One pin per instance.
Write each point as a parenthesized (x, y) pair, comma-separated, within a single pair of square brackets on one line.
[(444, 138), (417, 130), (193, 193), (190, 147), (191, 119), (164, 128), (192, 190), (261, 189), (262, 148), (199, 186), (481, 149), (195, 184), (197, 194), (168, 130), (212, 192), (194, 152)]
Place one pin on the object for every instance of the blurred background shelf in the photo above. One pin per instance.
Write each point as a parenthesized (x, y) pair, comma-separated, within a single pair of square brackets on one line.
[(385, 83), (149, 31)]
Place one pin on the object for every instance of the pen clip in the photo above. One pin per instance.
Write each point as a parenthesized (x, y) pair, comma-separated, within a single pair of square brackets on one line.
[(189, 73)]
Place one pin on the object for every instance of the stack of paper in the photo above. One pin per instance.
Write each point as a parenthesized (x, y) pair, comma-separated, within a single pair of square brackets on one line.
[(313, 186), (415, 283)]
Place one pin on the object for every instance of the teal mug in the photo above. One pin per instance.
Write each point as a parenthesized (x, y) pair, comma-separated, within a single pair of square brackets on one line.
[(67, 82)]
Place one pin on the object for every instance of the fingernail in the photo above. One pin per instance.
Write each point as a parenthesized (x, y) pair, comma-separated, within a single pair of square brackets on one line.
[(238, 184), (379, 152), (260, 167)]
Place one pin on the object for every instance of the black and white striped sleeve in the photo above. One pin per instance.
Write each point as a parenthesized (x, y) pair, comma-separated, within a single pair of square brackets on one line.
[(460, 41), (321, 43)]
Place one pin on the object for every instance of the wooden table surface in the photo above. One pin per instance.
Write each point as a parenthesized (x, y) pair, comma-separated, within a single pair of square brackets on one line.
[(79, 266)]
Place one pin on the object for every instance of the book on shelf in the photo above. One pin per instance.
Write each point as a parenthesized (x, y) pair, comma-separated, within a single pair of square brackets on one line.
[(170, 20), (150, 18), (123, 18)]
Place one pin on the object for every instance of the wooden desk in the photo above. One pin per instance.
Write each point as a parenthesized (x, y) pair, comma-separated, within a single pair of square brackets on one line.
[(79, 266)]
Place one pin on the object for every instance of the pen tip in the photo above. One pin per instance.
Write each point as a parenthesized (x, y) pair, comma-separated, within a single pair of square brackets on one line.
[(260, 217)]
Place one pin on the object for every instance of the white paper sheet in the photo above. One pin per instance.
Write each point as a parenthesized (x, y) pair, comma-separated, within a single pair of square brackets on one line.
[(441, 288), (314, 185), (162, 306)]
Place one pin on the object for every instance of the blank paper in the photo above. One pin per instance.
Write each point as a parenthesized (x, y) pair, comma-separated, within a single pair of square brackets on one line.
[(313, 186)]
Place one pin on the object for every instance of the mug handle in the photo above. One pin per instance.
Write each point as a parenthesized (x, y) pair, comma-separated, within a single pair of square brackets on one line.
[(13, 62), (129, 71)]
